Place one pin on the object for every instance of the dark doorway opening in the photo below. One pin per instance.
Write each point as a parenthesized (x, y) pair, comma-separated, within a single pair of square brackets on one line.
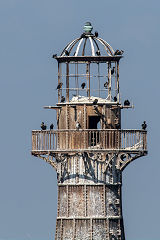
[(94, 136), (94, 122)]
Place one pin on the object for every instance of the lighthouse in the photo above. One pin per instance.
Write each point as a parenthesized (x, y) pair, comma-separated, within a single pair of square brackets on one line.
[(88, 149)]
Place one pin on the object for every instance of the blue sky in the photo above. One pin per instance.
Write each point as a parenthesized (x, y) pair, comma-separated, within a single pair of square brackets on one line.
[(30, 32)]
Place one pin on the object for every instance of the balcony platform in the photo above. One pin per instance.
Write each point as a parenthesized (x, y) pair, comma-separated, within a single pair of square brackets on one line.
[(97, 141)]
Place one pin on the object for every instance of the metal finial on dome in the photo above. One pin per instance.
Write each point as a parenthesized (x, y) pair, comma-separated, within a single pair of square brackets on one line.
[(87, 27)]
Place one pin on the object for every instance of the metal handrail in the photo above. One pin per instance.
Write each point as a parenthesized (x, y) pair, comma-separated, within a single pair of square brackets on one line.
[(72, 139)]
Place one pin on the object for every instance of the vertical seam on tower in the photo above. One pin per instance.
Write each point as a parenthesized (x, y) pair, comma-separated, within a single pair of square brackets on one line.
[(67, 201), (74, 228), (91, 227), (61, 231), (85, 199), (104, 192)]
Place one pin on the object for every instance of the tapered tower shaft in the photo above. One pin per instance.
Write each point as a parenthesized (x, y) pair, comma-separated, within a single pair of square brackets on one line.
[(89, 198)]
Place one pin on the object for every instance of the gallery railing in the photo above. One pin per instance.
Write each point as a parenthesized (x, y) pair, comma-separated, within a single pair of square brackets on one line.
[(71, 139)]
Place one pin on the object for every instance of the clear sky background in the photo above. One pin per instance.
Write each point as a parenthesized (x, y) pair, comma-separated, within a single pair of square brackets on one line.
[(30, 32)]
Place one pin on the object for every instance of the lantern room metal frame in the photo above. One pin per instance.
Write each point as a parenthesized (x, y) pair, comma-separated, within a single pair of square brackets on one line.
[(77, 53)]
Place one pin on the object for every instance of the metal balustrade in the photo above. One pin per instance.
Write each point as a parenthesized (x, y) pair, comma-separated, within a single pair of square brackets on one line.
[(71, 139)]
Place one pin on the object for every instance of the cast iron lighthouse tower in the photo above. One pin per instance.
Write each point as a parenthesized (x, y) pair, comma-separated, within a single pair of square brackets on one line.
[(89, 150)]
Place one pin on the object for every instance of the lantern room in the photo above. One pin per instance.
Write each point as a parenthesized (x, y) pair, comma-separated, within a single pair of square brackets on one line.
[(88, 67)]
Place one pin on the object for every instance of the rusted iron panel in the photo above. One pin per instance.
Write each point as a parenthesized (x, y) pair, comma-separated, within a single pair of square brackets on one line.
[(99, 229), (62, 201), (95, 201), (113, 201), (114, 229), (67, 229), (76, 201), (79, 115), (83, 229), (72, 117), (62, 118)]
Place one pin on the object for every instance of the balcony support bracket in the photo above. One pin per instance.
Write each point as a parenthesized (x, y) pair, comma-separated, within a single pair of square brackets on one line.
[(123, 159), (48, 159)]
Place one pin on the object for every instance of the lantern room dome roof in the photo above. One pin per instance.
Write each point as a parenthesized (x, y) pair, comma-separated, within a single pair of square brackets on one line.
[(88, 44)]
